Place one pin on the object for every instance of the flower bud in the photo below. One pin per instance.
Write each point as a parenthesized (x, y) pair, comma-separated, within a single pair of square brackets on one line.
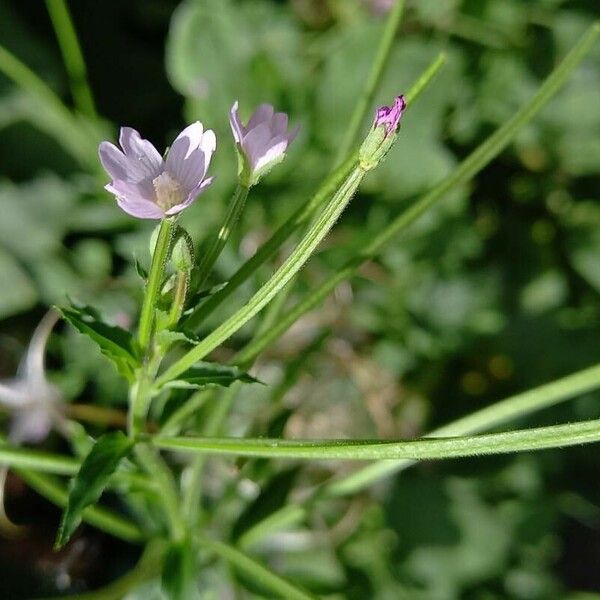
[(382, 135), (183, 254)]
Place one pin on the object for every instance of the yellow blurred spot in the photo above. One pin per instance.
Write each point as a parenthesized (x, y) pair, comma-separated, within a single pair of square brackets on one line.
[(501, 367), (474, 383)]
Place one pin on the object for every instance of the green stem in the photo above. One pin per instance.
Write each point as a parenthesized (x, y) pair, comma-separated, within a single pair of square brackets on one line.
[(259, 573), (155, 466), (264, 295), (472, 165), (72, 56), (487, 418), (236, 207), (97, 516), (302, 215), (155, 278), (17, 457), (539, 438), (502, 412), (192, 405), (141, 393), (212, 426), (372, 83)]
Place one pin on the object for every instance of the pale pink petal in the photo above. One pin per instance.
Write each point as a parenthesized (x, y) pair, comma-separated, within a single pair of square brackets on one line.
[(32, 366), (276, 150), (208, 144), (256, 143), (115, 163), (263, 114), (280, 123), (12, 394), (141, 151), (238, 130)]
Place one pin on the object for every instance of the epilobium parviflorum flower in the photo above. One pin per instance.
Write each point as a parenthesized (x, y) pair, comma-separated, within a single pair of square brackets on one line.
[(262, 143), (382, 134), (34, 402), (149, 187)]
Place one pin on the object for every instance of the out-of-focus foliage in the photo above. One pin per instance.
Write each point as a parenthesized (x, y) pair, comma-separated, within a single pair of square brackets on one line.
[(493, 291)]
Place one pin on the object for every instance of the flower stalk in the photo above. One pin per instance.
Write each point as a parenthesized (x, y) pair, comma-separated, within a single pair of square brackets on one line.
[(236, 206), (155, 278)]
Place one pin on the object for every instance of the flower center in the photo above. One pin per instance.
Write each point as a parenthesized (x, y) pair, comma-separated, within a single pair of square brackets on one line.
[(168, 191)]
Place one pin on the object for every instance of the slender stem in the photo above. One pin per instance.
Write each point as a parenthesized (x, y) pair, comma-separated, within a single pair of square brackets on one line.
[(193, 404), (40, 461), (97, 516), (259, 573), (265, 294), (300, 216), (37, 460), (372, 83), (211, 427), (140, 394), (538, 438), (181, 288), (155, 278), (487, 418), (155, 466), (517, 406), (472, 165), (72, 56), (236, 207)]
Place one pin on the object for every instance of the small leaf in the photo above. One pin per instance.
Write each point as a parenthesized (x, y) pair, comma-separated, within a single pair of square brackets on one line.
[(179, 572), (205, 373), (140, 270), (166, 338), (115, 343), (89, 483)]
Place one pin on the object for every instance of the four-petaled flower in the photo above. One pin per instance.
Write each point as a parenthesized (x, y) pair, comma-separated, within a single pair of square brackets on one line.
[(261, 143), (34, 402), (389, 116), (150, 187)]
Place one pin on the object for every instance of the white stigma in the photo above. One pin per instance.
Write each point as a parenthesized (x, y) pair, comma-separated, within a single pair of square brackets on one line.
[(168, 191)]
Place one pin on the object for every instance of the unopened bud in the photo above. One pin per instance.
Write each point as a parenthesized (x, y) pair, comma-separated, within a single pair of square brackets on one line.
[(382, 135), (183, 255)]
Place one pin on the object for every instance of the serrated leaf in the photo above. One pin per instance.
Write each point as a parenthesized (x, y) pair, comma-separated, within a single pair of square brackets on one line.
[(89, 483), (205, 373), (115, 343), (179, 572)]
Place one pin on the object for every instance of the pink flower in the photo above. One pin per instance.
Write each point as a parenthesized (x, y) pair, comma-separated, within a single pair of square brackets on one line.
[(262, 143), (389, 116), (33, 401), (150, 187)]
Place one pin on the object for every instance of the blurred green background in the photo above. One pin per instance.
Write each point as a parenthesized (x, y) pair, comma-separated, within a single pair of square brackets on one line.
[(494, 291)]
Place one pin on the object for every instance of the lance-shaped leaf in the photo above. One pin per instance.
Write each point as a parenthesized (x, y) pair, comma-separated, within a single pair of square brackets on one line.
[(207, 373), (115, 343), (91, 479), (178, 579)]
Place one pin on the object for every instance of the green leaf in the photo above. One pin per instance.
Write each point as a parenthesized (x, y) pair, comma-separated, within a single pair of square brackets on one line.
[(206, 373), (115, 343), (179, 571), (89, 483)]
